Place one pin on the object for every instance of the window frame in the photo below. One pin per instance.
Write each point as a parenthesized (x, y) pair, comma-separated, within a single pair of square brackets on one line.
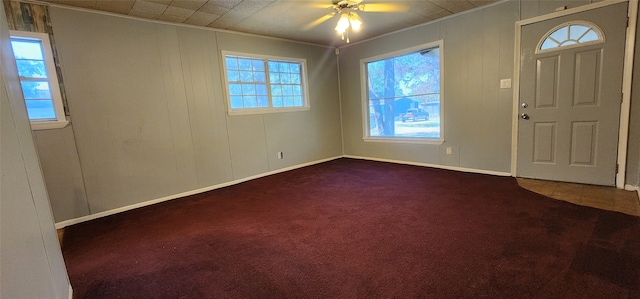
[(592, 26), (266, 58), (60, 120), (366, 135)]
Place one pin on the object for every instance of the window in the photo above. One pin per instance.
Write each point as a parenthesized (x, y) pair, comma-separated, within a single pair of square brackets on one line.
[(403, 95), (38, 79), (570, 35), (265, 84)]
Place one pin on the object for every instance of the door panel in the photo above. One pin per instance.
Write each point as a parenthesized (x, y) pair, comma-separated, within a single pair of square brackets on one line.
[(571, 97)]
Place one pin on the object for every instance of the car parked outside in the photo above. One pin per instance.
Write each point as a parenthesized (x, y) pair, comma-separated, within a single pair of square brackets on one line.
[(414, 114)]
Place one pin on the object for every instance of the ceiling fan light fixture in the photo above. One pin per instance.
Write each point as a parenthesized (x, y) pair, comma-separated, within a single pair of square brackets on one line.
[(355, 21), (343, 24)]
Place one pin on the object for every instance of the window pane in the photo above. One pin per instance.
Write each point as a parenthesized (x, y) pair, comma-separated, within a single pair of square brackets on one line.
[(297, 101), (274, 77), (549, 44), (288, 101), (410, 107), (27, 49), (287, 90), (246, 76), (277, 101), (248, 89), (284, 67), (233, 76), (261, 89), (40, 109), (250, 101), (263, 101), (244, 64), (36, 90), (259, 77), (590, 36), (236, 102), (560, 34), (295, 78), (276, 90), (285, 78), (31, 68), (283, 88), (235, 89), (258, 65), (232, 63), (576, 31), (273, 66)]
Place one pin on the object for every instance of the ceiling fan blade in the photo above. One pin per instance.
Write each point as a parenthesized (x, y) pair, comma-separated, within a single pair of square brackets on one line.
[(318, 21), (381, 7), (322, 6)]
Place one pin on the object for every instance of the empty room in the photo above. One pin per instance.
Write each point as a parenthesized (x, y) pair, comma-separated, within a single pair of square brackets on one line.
[(320, 149)]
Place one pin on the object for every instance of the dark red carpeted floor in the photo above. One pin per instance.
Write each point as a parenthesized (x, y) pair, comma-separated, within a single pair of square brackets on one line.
[(359, 229)]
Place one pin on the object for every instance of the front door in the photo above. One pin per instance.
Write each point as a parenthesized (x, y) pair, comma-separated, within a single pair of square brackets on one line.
[(570, 96)]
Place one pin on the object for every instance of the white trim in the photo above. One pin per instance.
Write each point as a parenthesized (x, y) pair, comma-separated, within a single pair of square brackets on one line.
[(364, 84), (625, 107), (569, 11), (63, 224), (70, 291), (455, 168), (60, 120), (631, 188), (304, 83), (628, 68)]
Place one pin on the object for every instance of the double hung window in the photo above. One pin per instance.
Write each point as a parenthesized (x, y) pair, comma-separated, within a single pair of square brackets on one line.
[(260, 84), (34, 58)]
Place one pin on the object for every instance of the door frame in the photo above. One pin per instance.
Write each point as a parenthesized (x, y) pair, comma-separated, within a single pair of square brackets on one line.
[(623, 129)]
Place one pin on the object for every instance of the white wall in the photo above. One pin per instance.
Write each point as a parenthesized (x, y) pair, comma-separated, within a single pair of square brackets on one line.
[(150, 119), (478, 52), (31, 263)]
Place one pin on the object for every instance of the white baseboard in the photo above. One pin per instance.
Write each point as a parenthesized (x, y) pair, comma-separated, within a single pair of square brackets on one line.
[(631, 188), (462, 169), (63, 224), (70, 292), (69, 222)]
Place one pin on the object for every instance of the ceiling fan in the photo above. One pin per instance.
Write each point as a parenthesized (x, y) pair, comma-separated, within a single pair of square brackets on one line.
[(349, 18)]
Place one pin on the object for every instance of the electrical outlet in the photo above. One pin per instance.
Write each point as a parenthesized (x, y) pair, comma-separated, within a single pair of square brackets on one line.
[(448, 150), (505, 83), (280, 155)]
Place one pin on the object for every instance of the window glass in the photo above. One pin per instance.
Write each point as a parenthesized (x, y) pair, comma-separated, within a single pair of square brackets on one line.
[(403, 96), (257, 84), (571, 34), (38, 79)]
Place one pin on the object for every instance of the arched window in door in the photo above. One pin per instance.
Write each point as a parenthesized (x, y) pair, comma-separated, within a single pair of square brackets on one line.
[(571, 34)]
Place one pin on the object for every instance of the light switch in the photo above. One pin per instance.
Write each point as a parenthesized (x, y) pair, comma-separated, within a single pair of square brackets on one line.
[(505, 83)]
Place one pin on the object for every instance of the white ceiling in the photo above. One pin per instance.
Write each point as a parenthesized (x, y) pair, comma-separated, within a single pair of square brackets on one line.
[(280, 18)]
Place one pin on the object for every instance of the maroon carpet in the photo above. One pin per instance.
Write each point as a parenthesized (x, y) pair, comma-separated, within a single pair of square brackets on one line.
[(359, 229)]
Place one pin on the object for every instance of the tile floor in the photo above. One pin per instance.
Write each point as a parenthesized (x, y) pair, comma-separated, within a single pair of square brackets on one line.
[(606, 198)]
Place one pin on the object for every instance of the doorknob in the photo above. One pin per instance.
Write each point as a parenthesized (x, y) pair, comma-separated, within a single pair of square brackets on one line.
[(524, 116), (525, 105)]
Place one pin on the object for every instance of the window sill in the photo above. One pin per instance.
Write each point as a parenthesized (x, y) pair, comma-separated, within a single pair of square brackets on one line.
[(48, 125), (267, 110), (404, 140)]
